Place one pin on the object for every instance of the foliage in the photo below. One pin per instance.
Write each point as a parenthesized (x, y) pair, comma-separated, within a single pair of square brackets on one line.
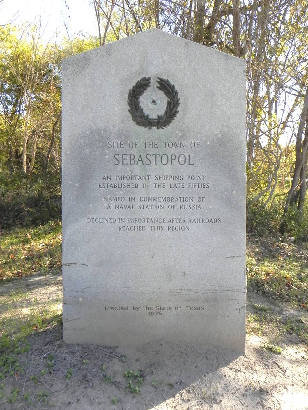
[(25, 251), (10, 349), (267, 220), (28, 200), (278, 269), (27, 311), (30, 108), (296, 223), (134, 380), (264, 321), (30, 104), (262, 220), (273, 348), (270, 36)]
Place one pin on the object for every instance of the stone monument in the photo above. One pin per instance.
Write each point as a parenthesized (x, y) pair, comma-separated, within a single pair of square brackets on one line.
[(154, 194)]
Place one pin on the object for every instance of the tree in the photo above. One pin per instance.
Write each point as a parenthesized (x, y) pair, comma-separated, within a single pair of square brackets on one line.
[(270, 35), (297, 193), (30, 101)]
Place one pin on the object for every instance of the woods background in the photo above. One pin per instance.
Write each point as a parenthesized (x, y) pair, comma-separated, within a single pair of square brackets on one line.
[(271, 36)]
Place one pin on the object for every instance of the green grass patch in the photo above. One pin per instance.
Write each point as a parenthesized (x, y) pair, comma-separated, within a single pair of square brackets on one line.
[(261, 308), (13, 345), (263, 324), (19, 321), (275, 327), (10, 350), (25, 251), (280, 271), (26, 310), (272, 348), (297, 326)]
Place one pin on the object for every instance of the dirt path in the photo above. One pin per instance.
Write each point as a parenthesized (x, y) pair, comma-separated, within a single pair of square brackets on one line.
[(59, 376)]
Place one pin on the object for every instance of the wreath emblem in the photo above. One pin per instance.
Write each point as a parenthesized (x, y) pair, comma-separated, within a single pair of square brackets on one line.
[(136, 111)]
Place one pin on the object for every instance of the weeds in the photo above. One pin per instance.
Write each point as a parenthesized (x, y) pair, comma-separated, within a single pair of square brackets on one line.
[(69, 374), (272, 348), (50, 362), (279, 270), (13, 396), (25, 251), (10, 349), (134, 380), (35, 379), (42, 397), (261, 308), (265, 322), (106, 378)]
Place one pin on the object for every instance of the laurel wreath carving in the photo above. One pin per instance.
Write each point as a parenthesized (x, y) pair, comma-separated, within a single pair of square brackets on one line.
[(136, 111)]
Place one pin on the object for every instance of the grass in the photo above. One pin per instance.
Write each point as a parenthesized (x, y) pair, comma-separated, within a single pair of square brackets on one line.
[(24, 312), (13, 344), (279, 270), (10, 350), (25, 251), (275, 269), (272, 348), (263, 321), (27, 315)]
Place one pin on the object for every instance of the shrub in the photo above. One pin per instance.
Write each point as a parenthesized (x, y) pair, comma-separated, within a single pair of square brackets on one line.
[(262, 220), (27, 201), (296, 224)]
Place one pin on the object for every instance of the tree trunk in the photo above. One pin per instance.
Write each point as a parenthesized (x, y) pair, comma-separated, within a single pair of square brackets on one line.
[(97, 6), (189, 21), (301, 156), (303, 174), (236, 29), (209, 29), (52, 140), (257, 75), (33, 152), (199, 22), (24, 151), (157, 22)]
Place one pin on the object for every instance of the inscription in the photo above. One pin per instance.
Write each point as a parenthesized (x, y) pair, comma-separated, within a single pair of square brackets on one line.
[(154, 181), (153, 191), (152, 159), (153, 224), (157, 310)]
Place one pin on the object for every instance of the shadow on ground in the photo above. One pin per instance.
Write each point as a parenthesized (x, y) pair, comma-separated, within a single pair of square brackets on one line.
[(52, 374)]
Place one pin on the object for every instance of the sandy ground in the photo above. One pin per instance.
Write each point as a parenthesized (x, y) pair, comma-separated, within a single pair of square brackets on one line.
[(61, 376)]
